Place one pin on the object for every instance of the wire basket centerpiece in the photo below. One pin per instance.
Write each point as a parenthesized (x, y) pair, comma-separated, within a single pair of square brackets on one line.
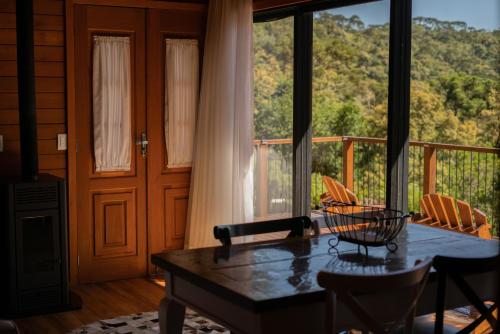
[(363, 225)]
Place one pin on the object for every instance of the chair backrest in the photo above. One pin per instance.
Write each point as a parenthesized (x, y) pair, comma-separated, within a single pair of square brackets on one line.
[(338, 192), (430, 207), (344, 286), (451, 211), (465, 212), (295, 225), (482, 227), (467, 265), (423, 208), (480, 218), (439, 208), (346, 195), (456, 268)]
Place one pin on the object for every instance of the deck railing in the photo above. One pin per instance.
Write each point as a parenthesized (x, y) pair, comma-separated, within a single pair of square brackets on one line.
[(465, 172)]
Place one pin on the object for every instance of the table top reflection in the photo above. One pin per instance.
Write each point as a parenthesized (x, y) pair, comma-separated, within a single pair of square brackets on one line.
[(283, 272)]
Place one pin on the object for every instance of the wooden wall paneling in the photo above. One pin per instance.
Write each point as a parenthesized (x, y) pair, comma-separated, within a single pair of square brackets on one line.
[(49, 22), (8, 68), (8, 52), (199, 5), (49, 53), (7, 20), (7, 6), (52, 161), (41, 37), (261, 5), (49, 7), (7, 36), (44, 116), (50, 84), (43, 100), (8, 84), (43, 84), (45, 146), (47, 74), (49, 69), (44, 131), (41, 22), (50, 73), (8, 116)]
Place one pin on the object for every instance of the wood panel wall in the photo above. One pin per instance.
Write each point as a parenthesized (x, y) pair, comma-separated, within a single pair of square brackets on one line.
[(50, 86)]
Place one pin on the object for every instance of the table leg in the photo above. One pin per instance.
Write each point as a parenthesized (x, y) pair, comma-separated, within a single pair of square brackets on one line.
[(171, 316)]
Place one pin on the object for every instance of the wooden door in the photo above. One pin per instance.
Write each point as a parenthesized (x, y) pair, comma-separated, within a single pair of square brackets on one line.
[(111, 214), (168, 188)]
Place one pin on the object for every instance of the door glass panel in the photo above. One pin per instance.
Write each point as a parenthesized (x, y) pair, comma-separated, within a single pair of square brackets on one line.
[(273, 92), (350, 85), (454, 105), (181, 100), (111, 103)]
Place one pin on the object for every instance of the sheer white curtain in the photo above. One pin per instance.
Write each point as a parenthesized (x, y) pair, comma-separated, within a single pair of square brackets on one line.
[(111, 103), (181, 99), (221, 181)]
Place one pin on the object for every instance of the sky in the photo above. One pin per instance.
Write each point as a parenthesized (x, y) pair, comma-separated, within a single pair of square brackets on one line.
[(480, 14)]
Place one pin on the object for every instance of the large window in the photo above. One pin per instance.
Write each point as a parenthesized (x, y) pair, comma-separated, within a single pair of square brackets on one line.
[(454, 105), (273, 92), (350, 80), (363, 94)]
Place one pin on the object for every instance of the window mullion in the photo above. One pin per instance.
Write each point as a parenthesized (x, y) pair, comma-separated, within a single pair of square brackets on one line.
[(302, 113), (398, 122)]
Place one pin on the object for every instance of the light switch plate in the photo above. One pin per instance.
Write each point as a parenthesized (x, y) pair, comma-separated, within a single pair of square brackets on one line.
[(1, 143), (62, 142)]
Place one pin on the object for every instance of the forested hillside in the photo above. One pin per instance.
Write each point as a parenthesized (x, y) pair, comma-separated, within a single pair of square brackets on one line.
[(454, 87)]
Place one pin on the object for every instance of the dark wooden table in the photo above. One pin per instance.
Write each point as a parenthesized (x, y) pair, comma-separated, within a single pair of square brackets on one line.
[(270, 287)]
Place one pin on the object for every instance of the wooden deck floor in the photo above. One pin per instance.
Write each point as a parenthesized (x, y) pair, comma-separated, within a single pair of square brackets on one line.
[(100, 301)]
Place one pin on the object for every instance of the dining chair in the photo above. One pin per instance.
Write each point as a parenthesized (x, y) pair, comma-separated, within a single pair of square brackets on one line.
[(456, 269), (8, 327), (295, 225), (405, 286)]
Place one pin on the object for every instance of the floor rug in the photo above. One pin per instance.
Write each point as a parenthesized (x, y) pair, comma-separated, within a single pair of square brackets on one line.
[(147, 323)]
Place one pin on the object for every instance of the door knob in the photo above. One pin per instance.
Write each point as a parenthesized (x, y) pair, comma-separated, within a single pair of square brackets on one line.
[(144, 144)]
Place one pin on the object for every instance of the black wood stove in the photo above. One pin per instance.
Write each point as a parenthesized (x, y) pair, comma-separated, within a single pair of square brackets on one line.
[(34, 246), (33, 237)]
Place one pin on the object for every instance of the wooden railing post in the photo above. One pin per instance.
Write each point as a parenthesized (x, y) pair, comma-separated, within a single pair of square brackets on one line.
[(348, 163), (263, 179), (429, 169)]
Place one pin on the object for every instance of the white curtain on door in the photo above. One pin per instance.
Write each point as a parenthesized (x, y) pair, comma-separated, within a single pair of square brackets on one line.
[(181, 100), (221, 179), (111, 103)]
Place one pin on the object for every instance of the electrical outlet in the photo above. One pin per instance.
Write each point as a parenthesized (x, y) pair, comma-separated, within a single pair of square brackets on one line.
[(1, 143), (62, 142)]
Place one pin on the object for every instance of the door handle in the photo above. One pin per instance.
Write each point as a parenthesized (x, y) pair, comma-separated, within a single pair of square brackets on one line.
[(144, 144)]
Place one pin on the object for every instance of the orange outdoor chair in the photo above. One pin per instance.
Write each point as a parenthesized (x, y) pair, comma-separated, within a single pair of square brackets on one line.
[(441, 211), (338, 192)]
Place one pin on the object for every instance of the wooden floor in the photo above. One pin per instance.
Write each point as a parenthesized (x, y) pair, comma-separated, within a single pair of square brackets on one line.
[(100, 301)]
